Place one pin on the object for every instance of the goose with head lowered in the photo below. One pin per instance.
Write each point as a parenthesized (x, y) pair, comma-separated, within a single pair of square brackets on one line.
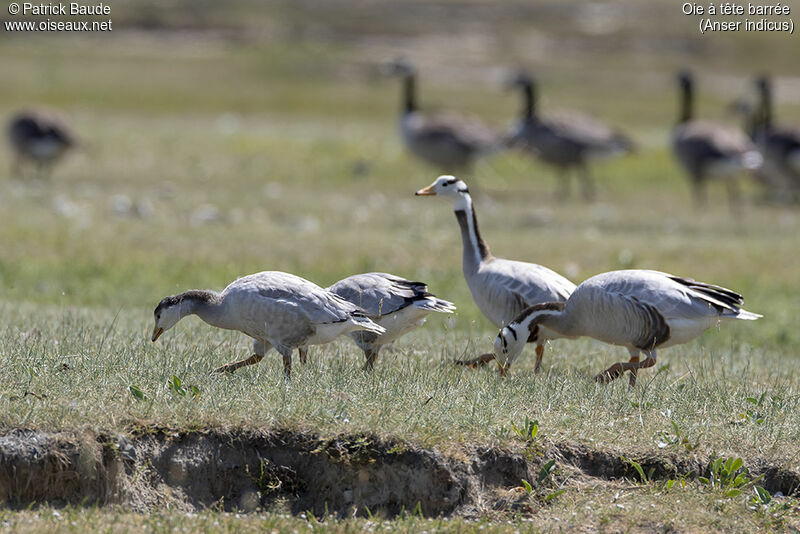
[(446, 141), (567, 140), (39, 137), (278, 310), (396, 304), (501, 288), (706, 149), (638, 309)]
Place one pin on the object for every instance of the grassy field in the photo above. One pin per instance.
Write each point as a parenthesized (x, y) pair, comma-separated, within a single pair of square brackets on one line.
[(206, 158)]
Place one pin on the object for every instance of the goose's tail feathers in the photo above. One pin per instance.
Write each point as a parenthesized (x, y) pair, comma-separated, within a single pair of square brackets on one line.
[(748, 316), (433, 304), (360, 319)]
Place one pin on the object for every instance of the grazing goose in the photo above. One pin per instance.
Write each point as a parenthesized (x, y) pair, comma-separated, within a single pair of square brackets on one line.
[(39, 137), (449, 142), (566, 141), (638, 309), (276, 309), (501, 288), (780, 144), (706, 148), (396, 304)]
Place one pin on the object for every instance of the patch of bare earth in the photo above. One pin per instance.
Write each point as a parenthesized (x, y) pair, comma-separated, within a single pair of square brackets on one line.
[(153, 468)]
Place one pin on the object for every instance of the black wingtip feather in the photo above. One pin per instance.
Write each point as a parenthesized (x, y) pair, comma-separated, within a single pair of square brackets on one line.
[(722, 294)]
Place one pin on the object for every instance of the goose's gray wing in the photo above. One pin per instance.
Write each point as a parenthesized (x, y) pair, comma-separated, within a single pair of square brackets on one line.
[(380, 293), (675, 298), (610, 310), (783, 141), (286, 293), (508, 287), (585, 131), (467, 133), (39, 124), (703, 142)]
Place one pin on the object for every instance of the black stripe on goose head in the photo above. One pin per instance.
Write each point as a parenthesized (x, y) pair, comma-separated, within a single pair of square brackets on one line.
[(453, 181)]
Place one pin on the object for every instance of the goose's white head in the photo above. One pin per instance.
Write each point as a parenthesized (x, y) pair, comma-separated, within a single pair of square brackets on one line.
[(166, 314), (525, 328), (448, 186), (509, 344)]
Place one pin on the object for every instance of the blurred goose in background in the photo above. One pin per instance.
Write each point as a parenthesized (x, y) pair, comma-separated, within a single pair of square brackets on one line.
[(769, 175), (638, 309), (780, 144), (707, 149), (567, 140), (501, 288), (40, 137), (278, 310), (396, 304), (447, 141)]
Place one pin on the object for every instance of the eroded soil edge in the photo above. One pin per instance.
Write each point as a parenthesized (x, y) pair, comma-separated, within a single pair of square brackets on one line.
[(248, 471)]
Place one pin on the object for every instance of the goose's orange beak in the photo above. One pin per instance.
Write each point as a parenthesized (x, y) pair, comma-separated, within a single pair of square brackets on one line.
[(156, 333), (426, 191)]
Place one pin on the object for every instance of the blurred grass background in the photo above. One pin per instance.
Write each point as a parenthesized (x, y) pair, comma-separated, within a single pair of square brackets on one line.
[(223, 139)]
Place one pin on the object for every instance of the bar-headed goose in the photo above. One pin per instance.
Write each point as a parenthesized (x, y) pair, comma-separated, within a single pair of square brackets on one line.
[(501, 288), (396, 304), (780, 143), (567, 140), (450, 142), (278, 310), (707, 149), (40, 137), (638, 309), (770, 174)]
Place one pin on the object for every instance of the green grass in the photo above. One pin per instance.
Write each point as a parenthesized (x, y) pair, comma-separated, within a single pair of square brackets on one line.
[(294, 147)]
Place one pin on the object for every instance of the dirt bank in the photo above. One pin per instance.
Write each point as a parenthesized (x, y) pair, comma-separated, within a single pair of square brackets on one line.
[(247, 470)]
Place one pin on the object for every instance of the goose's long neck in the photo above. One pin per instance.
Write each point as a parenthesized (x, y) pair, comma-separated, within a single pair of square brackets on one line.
[(766, 107), (206, 304), (475, 248), (409, 93), (561, 322), (687, 103), (529, 101)]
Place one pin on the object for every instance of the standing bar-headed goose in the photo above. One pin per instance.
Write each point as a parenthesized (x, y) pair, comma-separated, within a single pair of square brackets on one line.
[(501, 288), (769, 174), (40, 137), (706, 149), (396, 304), (780, 144), (566, 141), (449, 142), (638, 309), (278, 310)]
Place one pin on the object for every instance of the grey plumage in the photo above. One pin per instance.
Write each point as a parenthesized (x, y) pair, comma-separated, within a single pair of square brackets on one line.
[(780, 144), (567, 141), (444, 140), (278, 310), (639, 309), (706, 149), (501, 288), (396, 304), (39, 137)]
